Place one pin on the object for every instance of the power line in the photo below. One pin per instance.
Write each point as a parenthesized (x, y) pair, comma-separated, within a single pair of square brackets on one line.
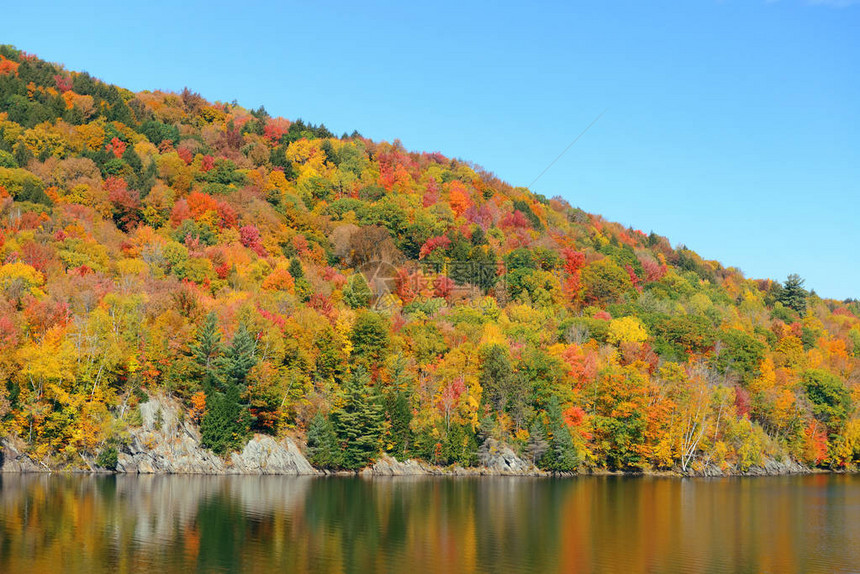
[(576, 139)]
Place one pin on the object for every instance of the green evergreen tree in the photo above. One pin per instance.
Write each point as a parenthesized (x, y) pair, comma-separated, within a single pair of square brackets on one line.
[(399, 415), (303, 287), (497, 376), (226, 423), (398, 411), (793, 295), (241, 356), (356, 292), (358, 423), (460, 445), (561, 455), (537, 445), (207, 348), (108, 457), (220, 428), (331, 359), (369, 338), (323, 450), (296, 269)]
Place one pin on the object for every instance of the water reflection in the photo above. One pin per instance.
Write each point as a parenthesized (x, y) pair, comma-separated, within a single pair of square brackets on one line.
[(264, 524)]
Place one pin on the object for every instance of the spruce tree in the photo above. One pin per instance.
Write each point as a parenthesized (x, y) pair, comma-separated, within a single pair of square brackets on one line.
[(537, 444), (323, 450), (399, 414), (357, 293), (207, 347), (561, 456), (398, 411), (793, 295), (370, 338), (241, 356), (497, 376), (296, 269), (225, 424), (222, 428), (358, 423), (303, 288), (460, 445)]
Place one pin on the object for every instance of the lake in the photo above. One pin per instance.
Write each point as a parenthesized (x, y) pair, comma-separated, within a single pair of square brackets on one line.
[(162, 524)]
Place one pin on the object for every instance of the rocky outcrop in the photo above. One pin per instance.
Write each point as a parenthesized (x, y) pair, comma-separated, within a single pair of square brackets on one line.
[(265, 455), (495, 459), (499, 458), (167, 444), (389, 466), (770, 467), (13, 460)]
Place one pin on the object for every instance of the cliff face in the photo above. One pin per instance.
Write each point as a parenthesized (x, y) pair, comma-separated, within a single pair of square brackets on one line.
[(166, 444), (12, 459)]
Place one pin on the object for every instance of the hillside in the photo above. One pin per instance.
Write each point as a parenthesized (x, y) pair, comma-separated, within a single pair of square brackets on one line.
[(278, 279)]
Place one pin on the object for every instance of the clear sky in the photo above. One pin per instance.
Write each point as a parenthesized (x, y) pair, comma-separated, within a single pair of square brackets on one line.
[(732, 126)]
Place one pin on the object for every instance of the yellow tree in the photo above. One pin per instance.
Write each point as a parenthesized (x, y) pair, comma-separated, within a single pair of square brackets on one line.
[(46, 374), (627, 330)]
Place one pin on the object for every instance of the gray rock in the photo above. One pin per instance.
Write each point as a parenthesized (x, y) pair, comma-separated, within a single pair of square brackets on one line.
[(496, 460), (13, 460), (501, 459), (165, 444), (773, 467), (389, 466), (265, 455), (769, 467)]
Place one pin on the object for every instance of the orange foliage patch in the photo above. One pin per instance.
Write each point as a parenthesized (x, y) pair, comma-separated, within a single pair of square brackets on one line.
[(8, 67)]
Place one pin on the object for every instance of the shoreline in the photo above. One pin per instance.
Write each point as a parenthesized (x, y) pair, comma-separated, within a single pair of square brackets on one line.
[(386, 467), (472, 472), (167, 444)]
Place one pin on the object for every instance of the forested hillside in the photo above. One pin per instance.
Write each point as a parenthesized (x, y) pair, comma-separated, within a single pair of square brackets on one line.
[(279, 279)]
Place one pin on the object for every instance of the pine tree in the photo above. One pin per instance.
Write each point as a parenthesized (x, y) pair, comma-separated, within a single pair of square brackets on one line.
[(207, 347), (296, 269), (561, 456), (357, 293), (241, 356), (370, 338), (226, 423), (537, 444), (497, 376), (793, 295), (460, 445), (323, 450), (398, 411), (303, 288), (215, 426), (399, 414), (358, 423)]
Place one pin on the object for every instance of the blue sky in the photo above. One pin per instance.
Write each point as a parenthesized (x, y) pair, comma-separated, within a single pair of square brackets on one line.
[(731, 126)]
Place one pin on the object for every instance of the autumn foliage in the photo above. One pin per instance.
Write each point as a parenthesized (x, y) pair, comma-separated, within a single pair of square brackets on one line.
[(277, 279)]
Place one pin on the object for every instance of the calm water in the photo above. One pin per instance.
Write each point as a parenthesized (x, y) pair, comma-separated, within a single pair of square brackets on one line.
[(279, 524)]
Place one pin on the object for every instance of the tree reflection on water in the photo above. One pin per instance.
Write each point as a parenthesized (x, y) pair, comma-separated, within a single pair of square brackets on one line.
[(254, 524)]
